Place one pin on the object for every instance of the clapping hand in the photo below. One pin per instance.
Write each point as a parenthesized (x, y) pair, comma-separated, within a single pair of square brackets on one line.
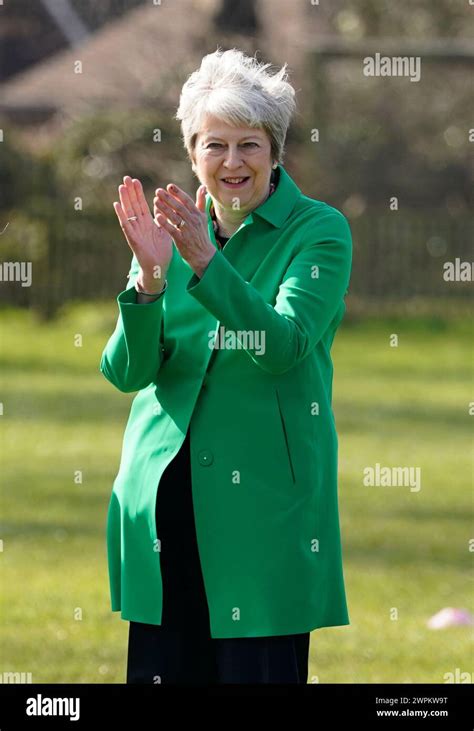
[(186, 223), (151, 243)]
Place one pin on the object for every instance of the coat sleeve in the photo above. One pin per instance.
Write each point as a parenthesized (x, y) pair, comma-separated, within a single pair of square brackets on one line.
[(133, 354), (309, 296)]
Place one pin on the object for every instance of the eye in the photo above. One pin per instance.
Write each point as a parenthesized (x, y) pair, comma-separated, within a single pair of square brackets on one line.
[(218, 144)]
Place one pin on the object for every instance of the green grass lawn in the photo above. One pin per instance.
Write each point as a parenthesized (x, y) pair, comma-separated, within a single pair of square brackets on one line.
[(406, 553)]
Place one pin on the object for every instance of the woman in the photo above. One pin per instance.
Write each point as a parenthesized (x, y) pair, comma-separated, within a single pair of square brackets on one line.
[(223, 531)]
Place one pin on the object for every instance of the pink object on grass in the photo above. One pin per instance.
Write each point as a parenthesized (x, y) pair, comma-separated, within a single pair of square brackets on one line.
[(449, 617)]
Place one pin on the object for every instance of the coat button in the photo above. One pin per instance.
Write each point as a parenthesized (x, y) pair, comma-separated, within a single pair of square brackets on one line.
[(205, 457)]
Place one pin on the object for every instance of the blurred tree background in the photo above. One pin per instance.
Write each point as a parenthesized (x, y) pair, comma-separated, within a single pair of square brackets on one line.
[(378, 139)]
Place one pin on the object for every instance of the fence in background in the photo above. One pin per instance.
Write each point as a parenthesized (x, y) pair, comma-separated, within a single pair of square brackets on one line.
[(397, 257)]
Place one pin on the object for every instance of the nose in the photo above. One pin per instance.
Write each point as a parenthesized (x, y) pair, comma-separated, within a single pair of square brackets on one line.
[(232, 158)]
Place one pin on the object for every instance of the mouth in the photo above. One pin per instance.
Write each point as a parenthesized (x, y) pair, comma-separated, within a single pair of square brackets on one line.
[(235, 182)]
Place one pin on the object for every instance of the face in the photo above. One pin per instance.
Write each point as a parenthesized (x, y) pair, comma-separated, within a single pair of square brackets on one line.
[(222, 152)]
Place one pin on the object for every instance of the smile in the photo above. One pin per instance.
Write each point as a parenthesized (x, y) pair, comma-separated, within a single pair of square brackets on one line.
[(235, 182)]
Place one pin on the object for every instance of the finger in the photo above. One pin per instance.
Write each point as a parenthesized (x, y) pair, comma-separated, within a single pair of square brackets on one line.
[(160, 205), (132, 196), (140, 195), (183, 198), (164, 223), (201, 198), (175, 204), (127, 226), (125, 201)]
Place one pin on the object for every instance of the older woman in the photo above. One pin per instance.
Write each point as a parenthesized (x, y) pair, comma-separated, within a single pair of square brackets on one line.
[(223, 533)]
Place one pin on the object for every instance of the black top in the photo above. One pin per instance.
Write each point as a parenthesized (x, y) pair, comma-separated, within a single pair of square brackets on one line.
[(222, 239), (275, 177)]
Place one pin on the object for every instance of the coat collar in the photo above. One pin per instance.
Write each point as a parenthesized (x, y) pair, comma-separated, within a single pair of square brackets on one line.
[(277, 208)]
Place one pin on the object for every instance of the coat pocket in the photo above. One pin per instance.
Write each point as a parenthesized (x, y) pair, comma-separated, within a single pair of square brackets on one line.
[(285, 436)]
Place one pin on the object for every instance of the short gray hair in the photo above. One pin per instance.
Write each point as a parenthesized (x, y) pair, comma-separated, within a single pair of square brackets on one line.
[(238, 90)]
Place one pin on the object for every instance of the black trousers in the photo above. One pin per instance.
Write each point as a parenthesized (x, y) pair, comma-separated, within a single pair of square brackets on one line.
[(181, 649)]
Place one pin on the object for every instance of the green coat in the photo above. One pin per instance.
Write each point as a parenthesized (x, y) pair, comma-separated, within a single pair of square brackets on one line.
[(263, 436)]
